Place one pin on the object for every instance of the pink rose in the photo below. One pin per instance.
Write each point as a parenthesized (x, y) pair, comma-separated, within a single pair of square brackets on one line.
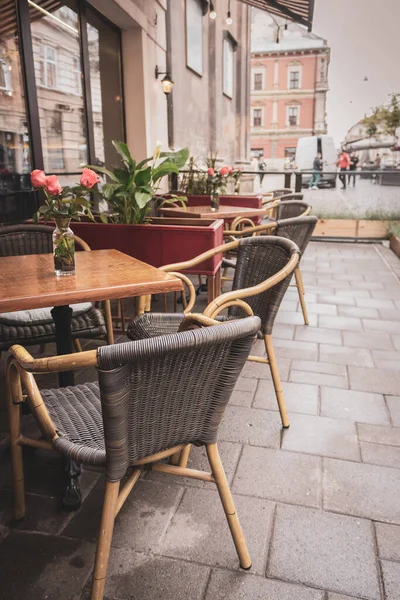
[(231, 169), (52, 185), (89, 178), (38, 178), (210, 171), (224, 171)]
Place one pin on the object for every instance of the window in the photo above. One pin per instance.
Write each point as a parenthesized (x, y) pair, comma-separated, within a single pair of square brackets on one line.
[(294, 80), (54, 147), (257, 117), (194, 36), (5, 77), (290, 153), (48, 66), (258, 81), (293, 115), (77, 77), (229, 48)]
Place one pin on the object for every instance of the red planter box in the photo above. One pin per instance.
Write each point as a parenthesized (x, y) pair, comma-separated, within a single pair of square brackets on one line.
[(162, 242), (236, 200)]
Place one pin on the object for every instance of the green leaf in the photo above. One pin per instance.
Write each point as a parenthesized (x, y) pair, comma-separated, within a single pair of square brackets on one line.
[(104, 171), (179, 158), (109, 189), (122, 175), (164, 169), (103, 218), (141, 164), (125, 154), (142, 177), (142, 198)]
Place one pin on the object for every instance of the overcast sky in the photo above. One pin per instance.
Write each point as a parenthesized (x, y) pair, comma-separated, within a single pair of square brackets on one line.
[(364, 36)]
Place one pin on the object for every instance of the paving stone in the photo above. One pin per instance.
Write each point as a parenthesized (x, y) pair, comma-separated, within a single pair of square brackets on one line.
[(344, 323), (374, 303), (388, 538), (391, 579), (251, 426), (379, 435), (336, 299), (241, 398), (302, 398), (396, 341), (319, 367), (134, 575), (199, 531), (229, 453), (295, 349), (356, 406), (324, 550), (291, 318), (381, 325), (322, 309), (384, 381), (277, 475), (318, 378), (378, 454), (143, 519), (44, 567), (344, 355), (356, 311), (283, 331), (393, 403), (319, 335), (228, 585), (389, 315), (262, 371), (245, 384), (362, 490), (386, 359), (321, 436), (373, 341), (339, 597), (386, 292), (361, 291)]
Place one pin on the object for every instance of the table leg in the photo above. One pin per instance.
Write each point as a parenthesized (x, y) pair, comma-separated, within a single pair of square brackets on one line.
[(210, 288), (62, 316)]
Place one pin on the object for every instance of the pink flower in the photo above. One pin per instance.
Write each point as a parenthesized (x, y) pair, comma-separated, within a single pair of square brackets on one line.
[(38, 178), (224, 171), (52, 185), (89, 178), (231, 169), (210, 171)]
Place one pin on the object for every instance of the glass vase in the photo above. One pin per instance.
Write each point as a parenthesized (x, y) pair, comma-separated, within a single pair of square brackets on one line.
[(63, 248), (237, 187), (215, 202)]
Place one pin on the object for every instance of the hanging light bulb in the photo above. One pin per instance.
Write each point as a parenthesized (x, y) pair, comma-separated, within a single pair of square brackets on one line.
[(213, 14), (229, 19)]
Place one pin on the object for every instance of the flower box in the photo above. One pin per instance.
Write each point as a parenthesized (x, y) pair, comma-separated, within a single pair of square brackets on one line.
[(352, 228)]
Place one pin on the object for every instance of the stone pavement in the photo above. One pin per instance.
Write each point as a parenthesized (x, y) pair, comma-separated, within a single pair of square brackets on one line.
[(319, 503)]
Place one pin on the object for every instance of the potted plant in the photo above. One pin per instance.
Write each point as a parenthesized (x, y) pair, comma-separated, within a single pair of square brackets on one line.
[(61, 205)]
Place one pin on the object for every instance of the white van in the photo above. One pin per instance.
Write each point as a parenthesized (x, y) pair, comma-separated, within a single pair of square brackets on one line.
[(308, 148)]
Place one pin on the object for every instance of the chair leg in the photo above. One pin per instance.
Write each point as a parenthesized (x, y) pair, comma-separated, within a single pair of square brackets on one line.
[(109, 322), (184, 457), (14, 398), (104, 540), (300, 289), (276, 380), (77, 345), (228, 504)]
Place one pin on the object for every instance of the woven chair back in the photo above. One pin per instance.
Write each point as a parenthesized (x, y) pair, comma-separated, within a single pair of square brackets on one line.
[(17, 240), (282, 192), (169, 390), (299, 230), (288, 197), (258, 259), (291, 209)]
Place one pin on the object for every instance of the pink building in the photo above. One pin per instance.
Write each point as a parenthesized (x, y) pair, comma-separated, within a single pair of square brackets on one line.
[(289, 83)]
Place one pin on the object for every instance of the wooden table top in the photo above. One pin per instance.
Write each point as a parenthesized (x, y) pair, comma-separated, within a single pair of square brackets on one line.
[(28, 282), (205, 212)]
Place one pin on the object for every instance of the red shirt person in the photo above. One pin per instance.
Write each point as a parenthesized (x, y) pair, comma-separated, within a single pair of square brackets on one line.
[(344, 165)]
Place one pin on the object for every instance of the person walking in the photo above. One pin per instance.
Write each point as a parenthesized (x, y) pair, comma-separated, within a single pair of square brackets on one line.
[(261, 168), (316, 176), (343, 164), (354, 160)]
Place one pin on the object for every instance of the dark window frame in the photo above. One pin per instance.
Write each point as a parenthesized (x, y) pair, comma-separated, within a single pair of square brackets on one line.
[(258, 81), (257, 118)]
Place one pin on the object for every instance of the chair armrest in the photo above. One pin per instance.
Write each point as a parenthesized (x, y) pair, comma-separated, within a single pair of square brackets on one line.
[(248, 231), (188, 264), (53, 364)]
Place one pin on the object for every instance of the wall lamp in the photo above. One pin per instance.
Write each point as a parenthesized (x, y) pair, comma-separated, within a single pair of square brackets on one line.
[(213, 12), (166, 82)]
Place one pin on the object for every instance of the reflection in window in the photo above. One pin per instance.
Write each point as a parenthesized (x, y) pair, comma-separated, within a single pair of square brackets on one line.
[(294, 80), (228, 67), (258, 81), (56, 54), (194, 36), (105, 85), (257, 117), (5, 77), (293, 115)]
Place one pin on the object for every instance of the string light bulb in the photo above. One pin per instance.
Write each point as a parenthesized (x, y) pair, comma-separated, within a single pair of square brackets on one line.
[(229, 19), (213, 14)]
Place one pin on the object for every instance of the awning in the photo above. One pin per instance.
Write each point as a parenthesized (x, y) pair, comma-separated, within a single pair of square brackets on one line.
[(299, 11)]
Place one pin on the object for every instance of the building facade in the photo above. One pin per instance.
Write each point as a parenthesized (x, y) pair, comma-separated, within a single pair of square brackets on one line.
[(75, 75), (289, 84)]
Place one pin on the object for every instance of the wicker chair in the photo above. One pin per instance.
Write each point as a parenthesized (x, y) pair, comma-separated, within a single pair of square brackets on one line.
[(153, 398), (287, 197), (291, 209), (37, 326), (263, 271), (299, 230), (282, 192)]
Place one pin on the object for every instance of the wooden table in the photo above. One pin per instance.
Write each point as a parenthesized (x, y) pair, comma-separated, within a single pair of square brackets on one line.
[(28, 282), (205, 212)]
